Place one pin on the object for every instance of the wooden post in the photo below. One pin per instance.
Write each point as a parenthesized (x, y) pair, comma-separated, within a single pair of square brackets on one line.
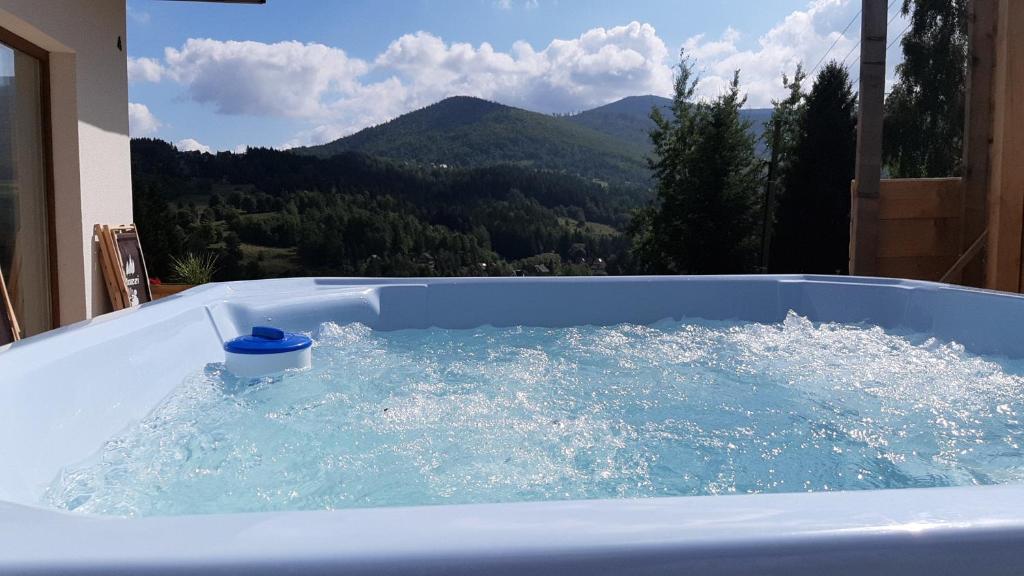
[(769, 200), (9, 329), (1006, 163), (864, 209), (981, 31)]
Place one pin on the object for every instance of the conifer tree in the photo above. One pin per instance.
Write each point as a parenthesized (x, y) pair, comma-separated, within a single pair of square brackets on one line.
[(708, 181), (813, 229), (787, 114)]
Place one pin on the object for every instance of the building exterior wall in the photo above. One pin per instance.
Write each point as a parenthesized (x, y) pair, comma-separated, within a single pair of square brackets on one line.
[(89, 112)]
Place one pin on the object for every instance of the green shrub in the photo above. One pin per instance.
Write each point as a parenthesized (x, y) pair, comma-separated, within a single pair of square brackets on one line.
[(193, 268)]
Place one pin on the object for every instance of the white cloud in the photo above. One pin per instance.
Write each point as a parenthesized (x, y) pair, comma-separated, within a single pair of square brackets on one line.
[(192, 145), (144, 70), (698, 49), (597, 67), (507, 4), (139, 16), (317, 135), (333, 94), (141, 122), (328, 89), (802, 37), (284, 79)]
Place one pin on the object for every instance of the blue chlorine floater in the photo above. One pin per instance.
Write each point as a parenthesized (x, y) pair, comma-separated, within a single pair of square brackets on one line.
[(267, 351)]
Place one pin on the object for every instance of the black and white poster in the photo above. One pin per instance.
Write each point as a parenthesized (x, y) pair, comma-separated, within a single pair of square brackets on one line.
[(134, 267)]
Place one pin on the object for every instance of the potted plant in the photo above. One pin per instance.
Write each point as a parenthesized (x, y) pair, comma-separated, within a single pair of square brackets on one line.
[(188, 271)]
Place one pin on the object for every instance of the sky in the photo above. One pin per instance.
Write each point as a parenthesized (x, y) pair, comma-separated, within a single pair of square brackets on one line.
[(210, 76)]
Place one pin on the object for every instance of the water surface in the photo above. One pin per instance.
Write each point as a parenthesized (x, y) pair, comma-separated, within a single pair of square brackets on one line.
[(524, 414)]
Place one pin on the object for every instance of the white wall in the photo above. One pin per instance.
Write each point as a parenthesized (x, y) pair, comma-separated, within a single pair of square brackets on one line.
[(89, 101)]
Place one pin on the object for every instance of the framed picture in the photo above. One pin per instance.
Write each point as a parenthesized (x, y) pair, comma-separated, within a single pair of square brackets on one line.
[(9, 330), (124, 265)]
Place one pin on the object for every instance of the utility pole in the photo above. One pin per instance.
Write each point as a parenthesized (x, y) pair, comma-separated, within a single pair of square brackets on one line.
[(864, 209), (769, 198)]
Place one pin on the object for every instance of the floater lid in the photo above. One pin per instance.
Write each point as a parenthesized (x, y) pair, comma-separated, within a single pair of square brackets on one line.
[(267, 340)]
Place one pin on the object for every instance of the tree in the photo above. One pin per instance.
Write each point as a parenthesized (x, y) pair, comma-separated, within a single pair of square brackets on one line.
[(708, 179), (352, 214), (925, 111), (158, 230), (230, 258), (813, 230), (787, 115)]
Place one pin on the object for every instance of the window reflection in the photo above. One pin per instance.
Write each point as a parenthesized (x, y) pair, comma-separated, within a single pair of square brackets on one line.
[(23, 219)]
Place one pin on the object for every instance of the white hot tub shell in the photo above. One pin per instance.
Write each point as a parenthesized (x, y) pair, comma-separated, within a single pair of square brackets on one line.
[(63, 393)]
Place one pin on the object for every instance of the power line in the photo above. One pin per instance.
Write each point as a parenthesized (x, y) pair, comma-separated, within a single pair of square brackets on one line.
[(898, 36), (841, 34), (894, 15), (888, 46), (851, 52), (890, 5)]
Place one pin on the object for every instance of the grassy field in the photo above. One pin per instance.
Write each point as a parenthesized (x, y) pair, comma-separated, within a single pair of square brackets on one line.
[(275, 262), (593, 227)]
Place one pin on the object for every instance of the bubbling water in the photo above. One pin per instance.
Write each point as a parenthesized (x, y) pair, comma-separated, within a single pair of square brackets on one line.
[(490, 414)]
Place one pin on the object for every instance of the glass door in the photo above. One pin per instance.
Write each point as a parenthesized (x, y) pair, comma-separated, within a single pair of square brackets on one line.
[(24, 233)]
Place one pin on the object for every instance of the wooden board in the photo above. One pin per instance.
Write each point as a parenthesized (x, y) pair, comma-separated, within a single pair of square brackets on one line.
[(924, 237), (920, 198), (9, 330), (164, 290), (915, 267), (124, 266), (109, 266), (918, 226)]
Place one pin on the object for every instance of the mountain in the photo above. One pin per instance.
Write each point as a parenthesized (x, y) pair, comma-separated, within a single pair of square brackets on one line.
[(628, 120), (469, 132), (609, 143)]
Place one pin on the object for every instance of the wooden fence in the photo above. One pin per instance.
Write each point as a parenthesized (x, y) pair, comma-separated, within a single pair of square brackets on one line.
[(919, 227)]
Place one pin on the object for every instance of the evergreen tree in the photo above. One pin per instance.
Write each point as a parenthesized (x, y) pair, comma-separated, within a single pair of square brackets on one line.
[(230, 258), (708, 182), (673, 140), (158, 229), (785, 122), (787, 115), (644, 255), (925, 112), (813, 230)]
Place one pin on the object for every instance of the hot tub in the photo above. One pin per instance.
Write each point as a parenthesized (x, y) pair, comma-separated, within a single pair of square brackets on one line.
[(63, 394)]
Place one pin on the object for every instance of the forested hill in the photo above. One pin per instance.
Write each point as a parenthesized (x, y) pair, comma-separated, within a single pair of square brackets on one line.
[(469, 132), (629, 121), (462, 187), (609, 143), (275, 213)]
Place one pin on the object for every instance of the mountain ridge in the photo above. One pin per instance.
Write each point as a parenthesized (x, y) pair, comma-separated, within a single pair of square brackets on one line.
[(467, 132), (609, 143), (628, 119)]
